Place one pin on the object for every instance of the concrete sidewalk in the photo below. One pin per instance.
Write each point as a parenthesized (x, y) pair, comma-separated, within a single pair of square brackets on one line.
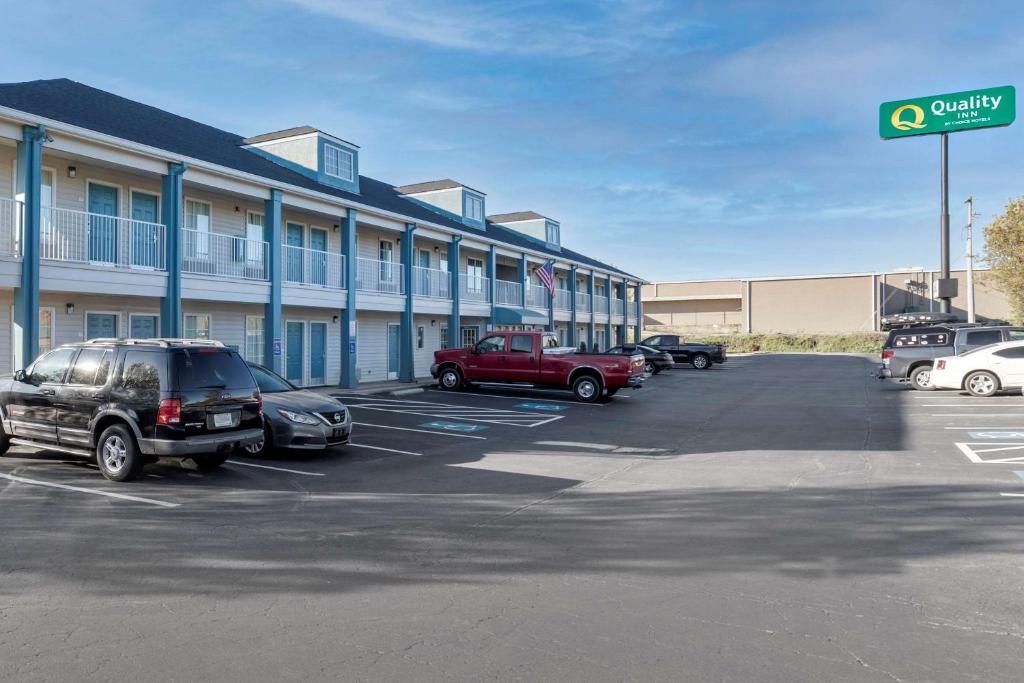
[(394, 388)]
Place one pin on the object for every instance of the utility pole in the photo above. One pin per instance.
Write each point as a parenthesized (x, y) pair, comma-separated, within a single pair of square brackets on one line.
[(970, 259), (944, 294)]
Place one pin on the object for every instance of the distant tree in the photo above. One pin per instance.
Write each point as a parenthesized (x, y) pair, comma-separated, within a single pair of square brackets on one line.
[(1004, 253)]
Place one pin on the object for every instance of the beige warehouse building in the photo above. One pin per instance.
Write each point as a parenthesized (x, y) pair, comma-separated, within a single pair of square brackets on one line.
[(837, 303)]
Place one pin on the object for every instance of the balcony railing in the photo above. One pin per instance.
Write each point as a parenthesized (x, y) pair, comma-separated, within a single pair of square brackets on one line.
[(474, 287), (582, 302), (81, 237), (211, 253), (537, 297), (617, 307), (314, 267), (431, 282), (563, 299), (631, 311), (508, 293), (10, 226), (384, 277), (600, 304)]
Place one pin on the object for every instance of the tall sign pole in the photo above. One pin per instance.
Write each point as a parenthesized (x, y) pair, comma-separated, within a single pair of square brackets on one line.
[(942, 115), (970, 260)]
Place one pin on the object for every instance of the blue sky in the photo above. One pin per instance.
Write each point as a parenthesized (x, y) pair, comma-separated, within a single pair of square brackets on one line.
[(676, 140)]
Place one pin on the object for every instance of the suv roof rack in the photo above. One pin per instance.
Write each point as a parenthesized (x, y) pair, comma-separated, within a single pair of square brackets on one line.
[(163, 342)]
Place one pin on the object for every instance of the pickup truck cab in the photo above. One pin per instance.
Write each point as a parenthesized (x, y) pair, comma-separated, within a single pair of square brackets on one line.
[(534, 358)]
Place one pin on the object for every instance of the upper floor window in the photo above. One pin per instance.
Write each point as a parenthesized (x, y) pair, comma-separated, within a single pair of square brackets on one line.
[(551, 230), (338, 162), (474, 207)]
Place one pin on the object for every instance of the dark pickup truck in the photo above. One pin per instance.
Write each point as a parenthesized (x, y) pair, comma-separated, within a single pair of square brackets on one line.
[(534, 358), (700, 356), (909, 352)]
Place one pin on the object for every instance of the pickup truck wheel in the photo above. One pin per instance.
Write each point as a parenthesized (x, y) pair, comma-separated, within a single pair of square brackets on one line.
[(450, 379), (981, 383), (209, 461), (5, 441), (921, 378), (117, 454), (586, 389), (700, 362)]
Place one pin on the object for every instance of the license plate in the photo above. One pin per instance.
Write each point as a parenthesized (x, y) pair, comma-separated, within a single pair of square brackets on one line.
[(222, 420)]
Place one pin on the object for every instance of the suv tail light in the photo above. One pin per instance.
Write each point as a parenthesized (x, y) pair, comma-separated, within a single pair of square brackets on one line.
[(169, 412), (887, 354), (940, 364)]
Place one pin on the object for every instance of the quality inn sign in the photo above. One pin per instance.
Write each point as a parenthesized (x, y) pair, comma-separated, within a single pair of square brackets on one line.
[(948, 113)]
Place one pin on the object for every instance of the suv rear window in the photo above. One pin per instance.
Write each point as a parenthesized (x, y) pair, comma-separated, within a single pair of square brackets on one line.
[(925, 339), (209, 368)]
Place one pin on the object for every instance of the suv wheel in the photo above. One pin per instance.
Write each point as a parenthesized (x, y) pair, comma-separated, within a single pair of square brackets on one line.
[(450, 379), (649, 368), (586, 389), (117, 454), (981, 383), (921, 378), (701, 361)]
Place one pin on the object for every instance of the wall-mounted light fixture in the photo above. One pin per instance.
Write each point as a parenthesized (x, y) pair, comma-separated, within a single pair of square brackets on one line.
[(334, 319), (337, 227), (433, 322), (436, 248), (69, 309), (72, 171)]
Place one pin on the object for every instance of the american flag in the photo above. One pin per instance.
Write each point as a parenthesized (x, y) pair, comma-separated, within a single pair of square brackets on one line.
[(546, 273)]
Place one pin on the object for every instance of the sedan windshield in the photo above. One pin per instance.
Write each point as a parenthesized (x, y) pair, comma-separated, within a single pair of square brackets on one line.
[(270, 382)]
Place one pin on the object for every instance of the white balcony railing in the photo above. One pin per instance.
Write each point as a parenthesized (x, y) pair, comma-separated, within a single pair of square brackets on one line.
[(617, 306), (211, 253), (82, 237), (582, 302), (563, 299), (631, 311), (10, 226), (537, 297), (384, 277), (314, 267), (600, 304), (474, 287), (431, 282), (508, 293)]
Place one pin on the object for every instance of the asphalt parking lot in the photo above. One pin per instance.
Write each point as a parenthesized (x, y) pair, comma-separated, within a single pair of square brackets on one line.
[(778, 518)]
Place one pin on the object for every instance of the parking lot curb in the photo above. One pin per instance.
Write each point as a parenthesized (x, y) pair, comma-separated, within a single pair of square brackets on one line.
[(406, 392)]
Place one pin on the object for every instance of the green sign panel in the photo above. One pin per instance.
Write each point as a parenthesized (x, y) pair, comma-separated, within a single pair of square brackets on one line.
[(948, 113)]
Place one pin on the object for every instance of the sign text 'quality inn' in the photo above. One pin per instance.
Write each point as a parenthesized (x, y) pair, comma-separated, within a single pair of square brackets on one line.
[(948, 113)]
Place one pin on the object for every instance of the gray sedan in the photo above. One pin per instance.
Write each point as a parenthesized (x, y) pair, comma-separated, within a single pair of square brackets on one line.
[(297, 418)]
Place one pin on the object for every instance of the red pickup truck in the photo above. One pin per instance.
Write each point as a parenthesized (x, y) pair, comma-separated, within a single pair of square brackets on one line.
[(535, 358)]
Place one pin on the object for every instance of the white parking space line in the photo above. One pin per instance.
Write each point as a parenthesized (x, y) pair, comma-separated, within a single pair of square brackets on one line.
[(988, 427), (972, 404), (1016, 415), (500, 416), (421, 431), (278, 469), (381, 448), (528, 397), (1012, 495), (973, 454), (80, 489)]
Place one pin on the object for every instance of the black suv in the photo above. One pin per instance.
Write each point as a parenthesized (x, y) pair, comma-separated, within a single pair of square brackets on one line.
[(129, 402), (909, 352)]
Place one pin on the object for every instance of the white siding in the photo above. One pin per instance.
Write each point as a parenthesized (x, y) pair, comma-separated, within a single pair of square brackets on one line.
[(372, 345), (224, 218), (71, 328), (6, 331), (423, 358), (7, 157)]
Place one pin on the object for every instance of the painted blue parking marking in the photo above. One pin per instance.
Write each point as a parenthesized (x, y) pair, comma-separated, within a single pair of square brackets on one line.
[(453, 426), (542, 406), (996, 435), (1019, 473)]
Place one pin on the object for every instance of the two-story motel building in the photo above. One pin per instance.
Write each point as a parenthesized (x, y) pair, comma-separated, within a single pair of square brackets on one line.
[(118, 219)]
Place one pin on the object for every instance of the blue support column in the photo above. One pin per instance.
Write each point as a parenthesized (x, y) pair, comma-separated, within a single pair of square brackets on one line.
[(550, 327), (590, 325), (272, 324), (171, 207), (492, 275), (573, 341), (454, 258), (406, 368), (524, 279), (26, 298), (609, 294), (622, 328), (349, 379), (638, 305)]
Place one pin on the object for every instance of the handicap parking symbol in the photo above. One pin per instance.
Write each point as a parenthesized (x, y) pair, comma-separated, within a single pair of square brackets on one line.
[(996, 435), (453, 426), (542, 406)]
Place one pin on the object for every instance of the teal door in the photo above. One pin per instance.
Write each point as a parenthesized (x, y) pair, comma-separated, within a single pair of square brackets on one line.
[(145, 239), (294, 238), (102, 223), (100, 325), (393, 337), (294, 338), (143, 326), (318, 353), (318, 257)]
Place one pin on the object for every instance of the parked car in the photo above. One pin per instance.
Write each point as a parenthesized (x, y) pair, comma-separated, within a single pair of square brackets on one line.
[(700, 356), (129, 402), (909, 353), (297, 418), (654, 361), (982, 371), (535, 359)]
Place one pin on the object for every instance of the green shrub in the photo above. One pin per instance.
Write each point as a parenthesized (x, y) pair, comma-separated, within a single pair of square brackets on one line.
[(811, 343)]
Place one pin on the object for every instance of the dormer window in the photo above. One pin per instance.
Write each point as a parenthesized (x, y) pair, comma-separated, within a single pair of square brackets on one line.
[(551, 233), (338, 162), (474, 207)]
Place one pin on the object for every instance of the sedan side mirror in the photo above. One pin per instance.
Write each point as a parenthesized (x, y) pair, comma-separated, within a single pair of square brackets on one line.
[(20, 376)]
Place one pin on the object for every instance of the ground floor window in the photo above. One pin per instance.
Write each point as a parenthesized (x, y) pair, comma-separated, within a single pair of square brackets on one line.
[(254, 339), (444, 336), (46, 330), (197, 326), (470, 335)]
